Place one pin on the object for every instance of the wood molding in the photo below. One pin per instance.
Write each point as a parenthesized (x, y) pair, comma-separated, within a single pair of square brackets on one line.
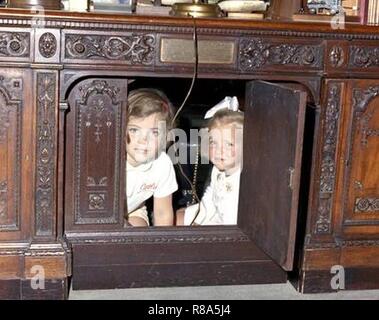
[(323, 223)]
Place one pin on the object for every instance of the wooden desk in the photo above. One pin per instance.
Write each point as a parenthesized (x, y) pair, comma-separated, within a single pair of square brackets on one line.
[(55, 64)]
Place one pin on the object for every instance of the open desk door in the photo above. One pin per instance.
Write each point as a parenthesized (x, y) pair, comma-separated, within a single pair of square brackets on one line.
[(270, 180)]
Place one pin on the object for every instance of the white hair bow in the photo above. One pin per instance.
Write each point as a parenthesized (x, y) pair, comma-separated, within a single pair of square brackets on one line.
[(229, 103)]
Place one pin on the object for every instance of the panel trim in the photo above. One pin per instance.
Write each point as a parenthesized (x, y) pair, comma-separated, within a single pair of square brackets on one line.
[(46, 149), (328, 168)]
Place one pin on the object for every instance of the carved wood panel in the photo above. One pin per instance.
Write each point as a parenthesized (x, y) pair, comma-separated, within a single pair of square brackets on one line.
[(364, 57), (125, 48), (10, 151), (46, 101), (95, 143), (361, 199), (261, 53), (329, 139), (15, 45), (47, 45)]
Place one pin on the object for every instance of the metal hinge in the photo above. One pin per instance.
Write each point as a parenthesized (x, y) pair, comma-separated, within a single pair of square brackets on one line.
[(291, 177)]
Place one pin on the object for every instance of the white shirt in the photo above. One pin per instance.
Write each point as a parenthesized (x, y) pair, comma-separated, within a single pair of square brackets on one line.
[(219, 204), (156, 178)]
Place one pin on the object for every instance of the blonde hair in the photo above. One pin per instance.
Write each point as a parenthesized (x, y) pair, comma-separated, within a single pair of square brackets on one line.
[(225, 117), (147, 101)]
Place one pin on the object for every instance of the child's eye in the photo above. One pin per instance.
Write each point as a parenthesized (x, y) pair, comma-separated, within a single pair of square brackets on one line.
[(155, 133), (212, 143), (230, 144), (133, 130)]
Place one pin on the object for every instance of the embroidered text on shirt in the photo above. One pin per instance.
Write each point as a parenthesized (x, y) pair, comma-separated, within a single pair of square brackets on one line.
[(148, 187)]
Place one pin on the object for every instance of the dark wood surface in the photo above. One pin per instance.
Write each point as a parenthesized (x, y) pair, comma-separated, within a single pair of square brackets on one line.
[(95, 156), (175, 264), (270, 182)]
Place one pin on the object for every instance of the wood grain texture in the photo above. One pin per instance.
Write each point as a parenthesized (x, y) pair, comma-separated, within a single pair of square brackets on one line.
[(125, 266), (269, 194)]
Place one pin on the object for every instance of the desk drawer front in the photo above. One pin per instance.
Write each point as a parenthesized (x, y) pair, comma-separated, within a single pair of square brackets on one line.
[(163, 51), (263, 54), (104, 48)]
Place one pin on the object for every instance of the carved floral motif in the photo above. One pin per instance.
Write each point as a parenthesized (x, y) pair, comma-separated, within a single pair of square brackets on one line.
[(336, 57), (364, 57), (96, 201), (46, 128), (134, 48), (256, 53), (97, 115), (47, 45), (328, 165), (367, 131), (98, 109), (370, 205), (9, 89), (14, 44), (361, 100)]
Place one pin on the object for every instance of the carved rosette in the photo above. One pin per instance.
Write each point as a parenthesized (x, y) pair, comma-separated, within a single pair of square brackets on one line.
[(46, 153), (47, 45), (257, 53), (336, 57), (364, 57), (135, 49), (96, 201), (14, 44), (328, 164)]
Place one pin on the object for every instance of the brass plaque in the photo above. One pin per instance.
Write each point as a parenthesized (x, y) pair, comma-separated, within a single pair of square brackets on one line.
[(210, 51)]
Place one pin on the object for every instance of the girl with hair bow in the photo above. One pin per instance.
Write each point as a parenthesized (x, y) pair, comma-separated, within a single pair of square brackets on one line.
[(219, 204)]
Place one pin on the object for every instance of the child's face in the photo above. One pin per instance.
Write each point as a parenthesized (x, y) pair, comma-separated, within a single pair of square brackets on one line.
[(225, 147), (144, 137)]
